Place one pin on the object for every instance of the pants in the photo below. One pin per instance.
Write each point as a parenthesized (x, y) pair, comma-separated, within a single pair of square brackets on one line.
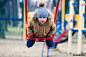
[(30, 43)]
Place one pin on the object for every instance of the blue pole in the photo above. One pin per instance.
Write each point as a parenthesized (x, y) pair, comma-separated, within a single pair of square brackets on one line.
[(48, 51), (22, 17), (43, 48)]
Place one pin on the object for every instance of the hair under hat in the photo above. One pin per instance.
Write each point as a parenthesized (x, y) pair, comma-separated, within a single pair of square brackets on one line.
[(42, 10)]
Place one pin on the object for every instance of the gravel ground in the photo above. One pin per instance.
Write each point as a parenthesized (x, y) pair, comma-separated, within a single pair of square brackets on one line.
[(17, 48)]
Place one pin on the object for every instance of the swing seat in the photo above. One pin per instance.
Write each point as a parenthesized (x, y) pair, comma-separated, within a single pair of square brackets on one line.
[(40, 39)]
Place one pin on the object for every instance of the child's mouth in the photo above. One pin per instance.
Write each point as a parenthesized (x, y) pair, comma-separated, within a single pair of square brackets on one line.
[(42, 21)]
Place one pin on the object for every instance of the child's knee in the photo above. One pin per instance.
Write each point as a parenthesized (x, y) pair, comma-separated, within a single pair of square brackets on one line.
[(50, 43), (30, 43)]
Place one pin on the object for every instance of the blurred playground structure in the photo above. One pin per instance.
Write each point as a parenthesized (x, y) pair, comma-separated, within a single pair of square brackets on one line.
[(71, 15)]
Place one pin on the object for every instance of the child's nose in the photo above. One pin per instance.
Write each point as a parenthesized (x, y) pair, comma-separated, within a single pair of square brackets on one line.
[(42, 18)]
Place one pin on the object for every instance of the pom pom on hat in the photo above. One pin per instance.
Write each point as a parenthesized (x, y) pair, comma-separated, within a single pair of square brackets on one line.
[(41, 3), (42, 10)]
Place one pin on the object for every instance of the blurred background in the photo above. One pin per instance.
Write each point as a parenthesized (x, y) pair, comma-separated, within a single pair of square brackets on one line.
[(11, 19), (12, 27), (12, 15)]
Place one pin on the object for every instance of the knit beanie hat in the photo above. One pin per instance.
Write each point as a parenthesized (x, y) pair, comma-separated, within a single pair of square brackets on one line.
[(42, 10)]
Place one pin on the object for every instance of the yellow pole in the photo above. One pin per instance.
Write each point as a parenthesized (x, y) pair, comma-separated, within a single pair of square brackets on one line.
[(63, 12), (24, 26)]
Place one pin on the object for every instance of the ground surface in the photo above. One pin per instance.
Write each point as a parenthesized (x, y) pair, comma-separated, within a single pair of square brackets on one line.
[(17, 48)]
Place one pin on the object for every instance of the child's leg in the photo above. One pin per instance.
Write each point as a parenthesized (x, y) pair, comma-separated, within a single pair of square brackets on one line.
[(30, 43), (50, 43)]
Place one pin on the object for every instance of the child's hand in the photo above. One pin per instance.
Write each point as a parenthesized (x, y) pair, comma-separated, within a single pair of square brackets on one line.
[(49, 36), (31, 37)]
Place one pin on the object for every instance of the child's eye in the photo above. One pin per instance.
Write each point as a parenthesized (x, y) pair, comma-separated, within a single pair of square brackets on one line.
[(40, 17), (44, 17)]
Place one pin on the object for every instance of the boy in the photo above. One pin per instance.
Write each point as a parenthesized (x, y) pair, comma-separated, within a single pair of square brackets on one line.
[(41, 26)]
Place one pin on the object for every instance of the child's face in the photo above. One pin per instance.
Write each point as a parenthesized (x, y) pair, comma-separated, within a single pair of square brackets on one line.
[(42, 20)]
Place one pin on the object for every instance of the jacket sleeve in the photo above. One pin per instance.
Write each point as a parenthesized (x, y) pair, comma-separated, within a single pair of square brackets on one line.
[(52, 29), (29, 29)]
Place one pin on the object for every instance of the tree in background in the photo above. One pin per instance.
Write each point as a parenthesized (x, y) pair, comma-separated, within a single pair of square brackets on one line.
[(12, 11), (48, 3), (15, 12), (8, 9), (2, 14), (31, 5), (53, 5), (67, 6)]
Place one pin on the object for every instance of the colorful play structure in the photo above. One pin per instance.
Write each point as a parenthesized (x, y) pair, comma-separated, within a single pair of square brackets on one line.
[(79, 26), (66, 24)]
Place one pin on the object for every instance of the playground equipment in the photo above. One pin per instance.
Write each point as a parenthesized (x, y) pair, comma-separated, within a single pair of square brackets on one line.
[(61, 35), (58, 39), (76, 29), (25, 13), (70, 28), (63, 12), (79, 27), (38, 39), (25, 19)]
